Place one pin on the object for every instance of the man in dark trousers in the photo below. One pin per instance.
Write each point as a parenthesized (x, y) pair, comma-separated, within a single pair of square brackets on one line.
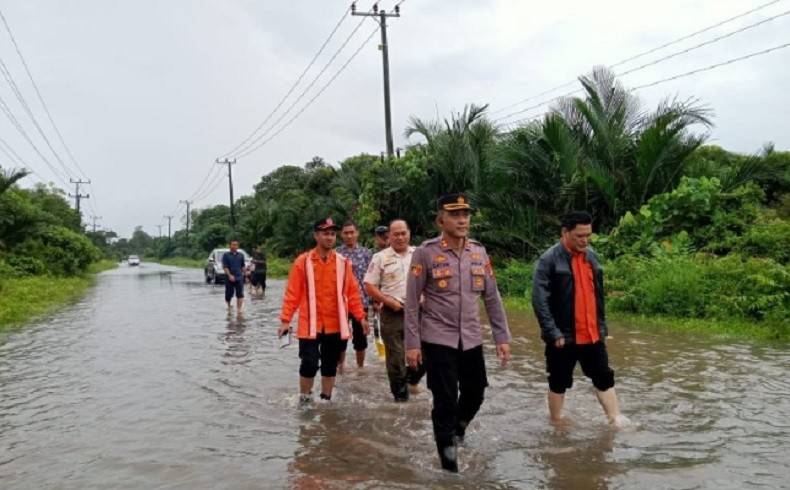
[(258, 278), (568, 299), (233, 263), (450, 273)]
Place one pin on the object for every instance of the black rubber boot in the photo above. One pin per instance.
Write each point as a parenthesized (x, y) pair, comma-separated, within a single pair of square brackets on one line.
[(448, 455)]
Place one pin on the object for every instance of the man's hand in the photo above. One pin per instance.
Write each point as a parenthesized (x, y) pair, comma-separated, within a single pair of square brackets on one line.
[(559, 343), (231, 278), (393, 304), (284, 328), (503, 353), (414, 358), (365, 327)]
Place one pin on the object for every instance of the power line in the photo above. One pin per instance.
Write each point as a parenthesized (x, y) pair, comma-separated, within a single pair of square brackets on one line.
[(655, 62), (14, 88), (711, 41), (711, 67), (210, 188), (40, 97), (314, 97), (645, 53), (675, 77), (293, 87), (10, 115), (246, 149)]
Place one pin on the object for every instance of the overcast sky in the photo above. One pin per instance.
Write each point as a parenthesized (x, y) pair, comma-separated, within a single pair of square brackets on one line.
[(148, 93)]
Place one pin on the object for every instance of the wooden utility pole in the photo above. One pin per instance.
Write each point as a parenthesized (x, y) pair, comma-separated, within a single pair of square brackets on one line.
[(384, 47), (169, 218), (77, 196), (95, 218), (188, 203), (230, 184)]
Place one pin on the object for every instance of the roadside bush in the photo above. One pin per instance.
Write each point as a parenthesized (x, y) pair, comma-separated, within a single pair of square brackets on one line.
[(24, 266), (699, 286), (768, 238), (62, 251), (515, 278)]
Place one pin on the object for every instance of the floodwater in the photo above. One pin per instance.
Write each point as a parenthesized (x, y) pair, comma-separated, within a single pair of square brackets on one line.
[(149, 382)]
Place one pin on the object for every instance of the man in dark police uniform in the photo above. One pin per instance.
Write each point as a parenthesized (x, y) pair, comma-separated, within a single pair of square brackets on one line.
[(448, 274)]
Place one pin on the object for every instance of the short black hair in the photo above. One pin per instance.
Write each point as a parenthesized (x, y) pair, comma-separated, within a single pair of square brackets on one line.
[(233, 239), (570, 220), (399, 219), (349, 222)]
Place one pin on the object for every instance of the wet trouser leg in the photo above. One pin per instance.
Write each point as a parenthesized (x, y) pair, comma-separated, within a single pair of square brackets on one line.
[(392, 335), (450, 371)]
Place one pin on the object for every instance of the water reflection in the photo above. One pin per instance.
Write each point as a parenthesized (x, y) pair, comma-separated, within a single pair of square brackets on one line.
[(149, 382)]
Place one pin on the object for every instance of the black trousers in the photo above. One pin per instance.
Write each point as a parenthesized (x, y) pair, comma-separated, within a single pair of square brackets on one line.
[(458, 380)]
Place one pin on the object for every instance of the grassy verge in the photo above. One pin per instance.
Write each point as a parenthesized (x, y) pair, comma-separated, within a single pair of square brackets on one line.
[(182, 262), (27, 297), (276, 268), (735, 327)]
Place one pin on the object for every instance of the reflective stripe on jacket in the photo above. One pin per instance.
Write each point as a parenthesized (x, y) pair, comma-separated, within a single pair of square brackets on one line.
[(301, 295)]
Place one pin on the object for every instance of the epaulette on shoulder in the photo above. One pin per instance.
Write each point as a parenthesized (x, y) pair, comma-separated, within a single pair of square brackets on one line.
[(429, 241)]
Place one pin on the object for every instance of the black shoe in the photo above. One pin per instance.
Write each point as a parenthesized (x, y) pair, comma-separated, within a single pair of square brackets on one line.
[(326, 397), (448, 455)]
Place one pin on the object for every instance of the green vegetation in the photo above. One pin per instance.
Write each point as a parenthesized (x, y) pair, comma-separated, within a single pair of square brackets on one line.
[(28, 297), (182, 262)]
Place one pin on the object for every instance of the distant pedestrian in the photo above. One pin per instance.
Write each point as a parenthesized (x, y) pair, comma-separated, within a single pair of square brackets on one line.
[(233, 264), (322, 287), (450, 273), (385, 282), (568, 299), (258, 276), (360, 259)]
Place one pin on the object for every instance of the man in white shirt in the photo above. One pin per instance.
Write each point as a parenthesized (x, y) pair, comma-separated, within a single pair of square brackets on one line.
[(385, 282)]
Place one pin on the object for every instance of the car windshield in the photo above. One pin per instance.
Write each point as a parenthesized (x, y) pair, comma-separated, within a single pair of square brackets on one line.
[(132, 257)]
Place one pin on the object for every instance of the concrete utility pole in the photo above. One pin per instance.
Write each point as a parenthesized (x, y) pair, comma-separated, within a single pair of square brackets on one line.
[(188, 203), (95, 218), (77, 196), (230, 183), (384, 47), (169, 218), (160, 230)]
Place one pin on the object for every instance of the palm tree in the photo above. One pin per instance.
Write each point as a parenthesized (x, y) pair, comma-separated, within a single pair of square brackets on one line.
[(625, 155), (11, 176)]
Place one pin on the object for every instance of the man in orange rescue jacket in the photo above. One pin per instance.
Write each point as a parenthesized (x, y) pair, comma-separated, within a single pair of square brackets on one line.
[(322, 287)]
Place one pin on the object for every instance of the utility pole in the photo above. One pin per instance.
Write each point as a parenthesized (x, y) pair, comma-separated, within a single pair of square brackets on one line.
[(95, 218), (230, 183), (169, 218), (188, 203), (382, 20), (77, 196), (160, 230)]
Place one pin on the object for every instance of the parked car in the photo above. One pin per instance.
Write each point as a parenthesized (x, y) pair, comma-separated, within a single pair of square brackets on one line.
[(213, 269), (133, 260)]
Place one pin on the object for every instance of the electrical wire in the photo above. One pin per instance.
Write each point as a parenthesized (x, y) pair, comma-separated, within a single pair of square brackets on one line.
[(244, 150), (645, 53), (293, 87), (251, 150), (655, 62), (10, 115), (41, 97), (675, 77)]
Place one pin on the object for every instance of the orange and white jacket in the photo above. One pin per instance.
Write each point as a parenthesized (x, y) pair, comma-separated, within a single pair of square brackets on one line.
[(324, 293)]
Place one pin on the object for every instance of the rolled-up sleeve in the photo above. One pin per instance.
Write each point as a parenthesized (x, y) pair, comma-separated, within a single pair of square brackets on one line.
[(414, 288)]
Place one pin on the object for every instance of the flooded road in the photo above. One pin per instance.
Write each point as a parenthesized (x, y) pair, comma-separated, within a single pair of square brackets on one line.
[(149, 382)]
